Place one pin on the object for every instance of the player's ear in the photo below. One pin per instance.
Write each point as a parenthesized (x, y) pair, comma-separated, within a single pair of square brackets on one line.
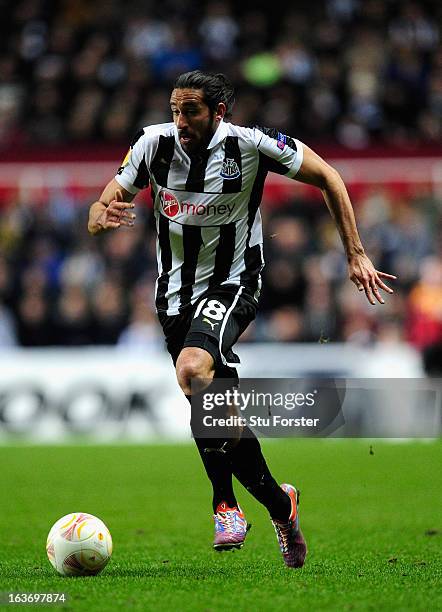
[(220, 111)]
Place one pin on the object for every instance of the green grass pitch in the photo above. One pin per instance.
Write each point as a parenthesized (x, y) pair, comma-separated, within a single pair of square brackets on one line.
[(371, 519)]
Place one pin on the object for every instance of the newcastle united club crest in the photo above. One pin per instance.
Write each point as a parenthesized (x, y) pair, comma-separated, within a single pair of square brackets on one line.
[(230, 169)]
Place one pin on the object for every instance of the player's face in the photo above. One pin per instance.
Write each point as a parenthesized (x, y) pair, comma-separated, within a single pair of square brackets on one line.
[(195, 121)]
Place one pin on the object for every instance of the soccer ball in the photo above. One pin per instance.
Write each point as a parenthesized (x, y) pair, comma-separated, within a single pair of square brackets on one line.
[(79, 544)]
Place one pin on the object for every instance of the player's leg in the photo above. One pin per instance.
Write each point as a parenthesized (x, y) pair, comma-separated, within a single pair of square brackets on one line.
[(216, 325), (196, 364), (195, 370), (245, 455), (250, 468)]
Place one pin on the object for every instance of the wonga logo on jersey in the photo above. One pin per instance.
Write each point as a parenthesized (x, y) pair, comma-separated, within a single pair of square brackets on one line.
[(172, 206)]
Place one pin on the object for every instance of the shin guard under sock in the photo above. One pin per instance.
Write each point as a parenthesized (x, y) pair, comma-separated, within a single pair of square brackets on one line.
[(218, 469)]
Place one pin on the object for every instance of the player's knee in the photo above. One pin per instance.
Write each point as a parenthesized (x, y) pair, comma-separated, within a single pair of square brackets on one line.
[(194, 365)]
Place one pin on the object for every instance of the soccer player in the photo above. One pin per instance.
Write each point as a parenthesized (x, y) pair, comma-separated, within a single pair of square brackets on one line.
[(207, 178)]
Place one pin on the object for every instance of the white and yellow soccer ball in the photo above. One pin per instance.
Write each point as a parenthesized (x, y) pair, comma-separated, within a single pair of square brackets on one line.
[(79, 544)]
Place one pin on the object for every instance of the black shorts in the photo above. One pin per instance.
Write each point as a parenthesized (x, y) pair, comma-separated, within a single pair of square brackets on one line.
[(214, 323)]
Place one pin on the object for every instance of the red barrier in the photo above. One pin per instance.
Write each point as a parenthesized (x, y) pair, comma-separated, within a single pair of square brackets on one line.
[(83, 178)]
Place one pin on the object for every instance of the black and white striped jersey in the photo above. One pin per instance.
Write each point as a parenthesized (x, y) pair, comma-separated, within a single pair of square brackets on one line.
[(207, 208)]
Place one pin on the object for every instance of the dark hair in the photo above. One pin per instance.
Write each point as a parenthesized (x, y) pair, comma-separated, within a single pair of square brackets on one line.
[(216, 88)]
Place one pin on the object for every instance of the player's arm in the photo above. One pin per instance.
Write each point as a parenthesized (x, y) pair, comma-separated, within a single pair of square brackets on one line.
[(290, 157), (315, 171), (112, 210)]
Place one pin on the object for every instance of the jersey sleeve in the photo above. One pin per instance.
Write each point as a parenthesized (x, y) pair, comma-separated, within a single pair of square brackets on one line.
[(133, 174), (282, 154)]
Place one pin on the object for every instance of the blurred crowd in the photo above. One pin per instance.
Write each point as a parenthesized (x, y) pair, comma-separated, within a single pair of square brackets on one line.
[(356, 71), (60, 286)]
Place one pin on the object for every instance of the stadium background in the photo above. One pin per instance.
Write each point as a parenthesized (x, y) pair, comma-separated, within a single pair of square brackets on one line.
[(81, 356), (360, 82)]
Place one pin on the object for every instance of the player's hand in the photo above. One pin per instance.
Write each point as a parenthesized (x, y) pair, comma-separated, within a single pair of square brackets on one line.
[(366, 278), (118, 213)]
